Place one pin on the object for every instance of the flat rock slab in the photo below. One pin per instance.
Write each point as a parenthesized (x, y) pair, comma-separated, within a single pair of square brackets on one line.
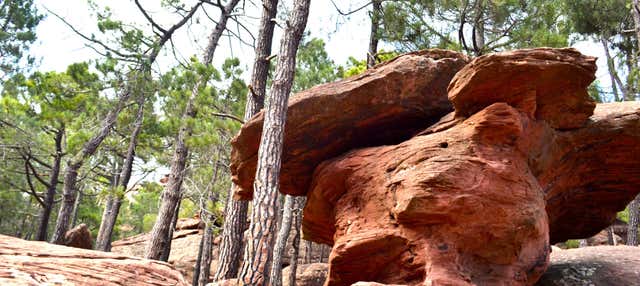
[(597, 265), (39, 263), (387, 104)]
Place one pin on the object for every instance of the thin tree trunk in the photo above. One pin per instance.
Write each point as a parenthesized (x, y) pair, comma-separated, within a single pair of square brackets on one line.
[(295, 245), (196, 268), (76, 207), (204, 265), (308, 250), (635, 11), (373, 37), (634, 221), (235, 222), (611, 236), (49, 199), (281, 241), (478, 29), (322, 250), (259, 249), (103, 241), (74, 165), (158, 240), (615, 79)]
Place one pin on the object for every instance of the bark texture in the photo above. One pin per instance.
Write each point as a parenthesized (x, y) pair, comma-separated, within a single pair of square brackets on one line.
[(259, 248), (236, 211), (160, 238), (295, 245), (281, 241), (634, 222)]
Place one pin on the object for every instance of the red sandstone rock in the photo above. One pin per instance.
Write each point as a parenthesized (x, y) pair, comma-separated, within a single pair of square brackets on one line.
[(474, 199), (79, 237), (555, 79), (39, 263), (383, 105), (464, 201)]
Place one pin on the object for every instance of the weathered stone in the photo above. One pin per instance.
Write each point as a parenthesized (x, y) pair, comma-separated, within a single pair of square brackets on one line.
[(184, 249), (383, 105), (552, 81), (79, 237), (39, 263), (599, 265), (313, 274), (466, 201)]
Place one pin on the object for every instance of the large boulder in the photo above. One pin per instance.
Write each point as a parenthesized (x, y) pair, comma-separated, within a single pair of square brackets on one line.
[(598, 265), (383, 105), (474, 199), (39, 263), (79, 237)]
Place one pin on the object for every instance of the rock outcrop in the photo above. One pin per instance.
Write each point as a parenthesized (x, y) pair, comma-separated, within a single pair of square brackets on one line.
[(38, 263), (598, 265), (313, 274), (184, 246), (381, 106), (525, 160)]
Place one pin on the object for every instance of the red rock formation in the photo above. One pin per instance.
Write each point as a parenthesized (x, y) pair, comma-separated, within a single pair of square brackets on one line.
[(380, 106), (476, 198), (38, 263)]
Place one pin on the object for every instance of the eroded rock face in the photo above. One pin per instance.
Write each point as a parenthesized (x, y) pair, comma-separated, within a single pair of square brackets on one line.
[(525, 160), (384, 105), (38, 263), (478, 197)]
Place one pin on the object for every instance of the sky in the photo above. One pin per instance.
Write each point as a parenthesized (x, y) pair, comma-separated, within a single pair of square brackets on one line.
[(58, 46)]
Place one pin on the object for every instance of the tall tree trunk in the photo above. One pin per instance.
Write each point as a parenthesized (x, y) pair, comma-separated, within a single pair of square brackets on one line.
[(615, 79), (235, 222), (374, 37), (166, 251), (281, 241), (158, 240), (203, 266), (49, 199), (611, 236), (478, 29), (634, 222), (103, 242), (295, 245), (259, 249), (74, 165)]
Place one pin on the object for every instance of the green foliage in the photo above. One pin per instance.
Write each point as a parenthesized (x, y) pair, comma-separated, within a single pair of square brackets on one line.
[(355, 67), (19, 19), (449, 24), (572, 243), (313, 66)]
